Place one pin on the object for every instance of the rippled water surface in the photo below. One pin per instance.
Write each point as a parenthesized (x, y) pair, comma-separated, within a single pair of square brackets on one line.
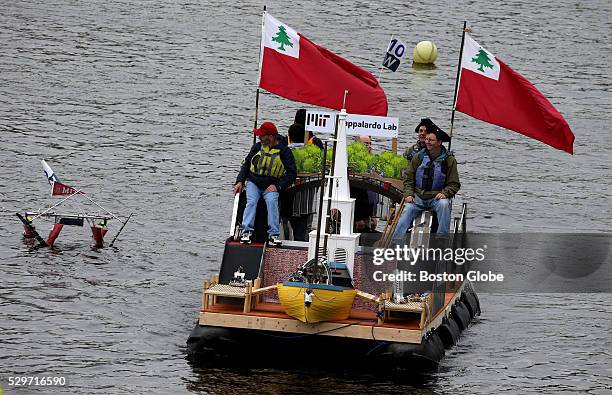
[(147, 106)]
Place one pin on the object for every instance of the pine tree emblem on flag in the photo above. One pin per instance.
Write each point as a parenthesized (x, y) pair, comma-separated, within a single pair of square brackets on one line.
[(483, 60), (282, 38), (479, 60)]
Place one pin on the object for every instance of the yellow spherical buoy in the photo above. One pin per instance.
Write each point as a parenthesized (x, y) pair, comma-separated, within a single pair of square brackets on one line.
[(425, 52)]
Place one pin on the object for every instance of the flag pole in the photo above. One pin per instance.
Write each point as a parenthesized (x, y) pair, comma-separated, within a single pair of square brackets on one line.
[(256, 111), (263, 20), (457, 84)]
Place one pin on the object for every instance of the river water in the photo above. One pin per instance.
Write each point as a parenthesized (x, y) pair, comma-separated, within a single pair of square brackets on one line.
[(147, 107)]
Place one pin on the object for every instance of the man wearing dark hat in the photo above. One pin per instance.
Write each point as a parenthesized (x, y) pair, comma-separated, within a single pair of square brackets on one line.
[(421, 129), (268, 169), (432, 180)]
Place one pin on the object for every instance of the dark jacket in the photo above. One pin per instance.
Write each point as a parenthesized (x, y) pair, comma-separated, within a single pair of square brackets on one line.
[(265, 181)]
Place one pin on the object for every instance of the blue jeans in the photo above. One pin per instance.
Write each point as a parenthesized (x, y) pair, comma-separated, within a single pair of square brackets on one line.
[(442, 208), (253, 193)]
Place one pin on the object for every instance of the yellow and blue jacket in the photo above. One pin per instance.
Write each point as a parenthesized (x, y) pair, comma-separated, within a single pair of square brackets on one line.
[(265, 166)]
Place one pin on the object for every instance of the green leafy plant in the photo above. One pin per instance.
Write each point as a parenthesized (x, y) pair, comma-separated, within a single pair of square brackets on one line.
[(387, 164)]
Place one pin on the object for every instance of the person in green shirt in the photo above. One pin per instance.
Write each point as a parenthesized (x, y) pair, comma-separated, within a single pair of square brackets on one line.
[(431, 182)]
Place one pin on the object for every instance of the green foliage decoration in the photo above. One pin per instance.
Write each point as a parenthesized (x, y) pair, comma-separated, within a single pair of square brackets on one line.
[(387, 164)]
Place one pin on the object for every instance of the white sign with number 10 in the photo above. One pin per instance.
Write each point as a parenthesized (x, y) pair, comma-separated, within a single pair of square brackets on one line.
[(395, 54)]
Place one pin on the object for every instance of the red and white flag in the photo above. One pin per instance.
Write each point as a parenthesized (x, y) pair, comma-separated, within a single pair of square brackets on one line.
[(294, 67), (492, 92), (59, 189)]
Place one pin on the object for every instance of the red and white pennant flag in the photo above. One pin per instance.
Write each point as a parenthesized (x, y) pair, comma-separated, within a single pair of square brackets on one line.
[(57, 188), (492, 92)]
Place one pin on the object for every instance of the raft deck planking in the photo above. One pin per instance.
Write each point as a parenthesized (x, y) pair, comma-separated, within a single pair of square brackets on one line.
[(361, 324)]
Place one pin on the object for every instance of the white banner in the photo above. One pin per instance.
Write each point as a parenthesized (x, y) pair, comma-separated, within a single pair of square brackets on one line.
[(325, 122), (372, 126)]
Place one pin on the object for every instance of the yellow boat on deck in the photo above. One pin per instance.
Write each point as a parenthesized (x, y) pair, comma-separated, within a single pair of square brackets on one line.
[(312, 303)]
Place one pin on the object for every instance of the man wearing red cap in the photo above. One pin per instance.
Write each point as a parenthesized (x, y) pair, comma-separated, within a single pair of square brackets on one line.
[(268, 169)]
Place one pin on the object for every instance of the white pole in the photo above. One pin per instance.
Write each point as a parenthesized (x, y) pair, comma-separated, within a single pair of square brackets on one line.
[(261, 45), (108, 212), (55, 205), (342, 191), (234, 214)]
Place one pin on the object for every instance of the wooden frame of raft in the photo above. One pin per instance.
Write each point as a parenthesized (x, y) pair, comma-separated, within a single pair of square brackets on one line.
[(382, 328)]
